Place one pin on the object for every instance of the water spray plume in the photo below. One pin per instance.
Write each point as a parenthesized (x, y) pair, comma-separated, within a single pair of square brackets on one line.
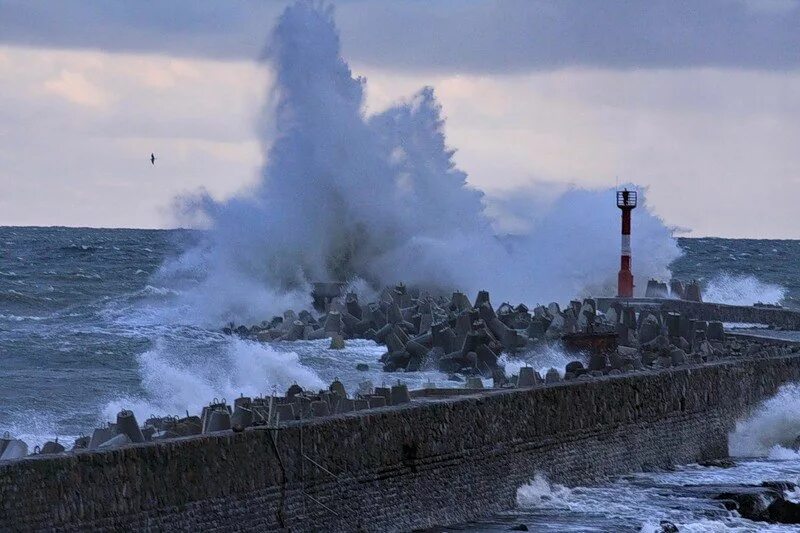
[(344, 196)]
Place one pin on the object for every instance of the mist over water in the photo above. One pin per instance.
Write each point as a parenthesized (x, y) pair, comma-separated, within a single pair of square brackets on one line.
[(345, 196)]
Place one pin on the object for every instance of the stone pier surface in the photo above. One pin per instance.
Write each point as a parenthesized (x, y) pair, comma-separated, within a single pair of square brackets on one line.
[(433, 461), (746, 314)]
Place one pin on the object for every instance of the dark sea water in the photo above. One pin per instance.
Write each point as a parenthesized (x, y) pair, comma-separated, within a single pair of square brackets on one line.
[(83, 334)]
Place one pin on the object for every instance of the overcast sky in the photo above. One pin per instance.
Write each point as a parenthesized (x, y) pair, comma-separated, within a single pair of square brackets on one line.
[(698, 100)]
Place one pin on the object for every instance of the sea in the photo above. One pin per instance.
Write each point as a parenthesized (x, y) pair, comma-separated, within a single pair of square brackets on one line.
[(83, 334)]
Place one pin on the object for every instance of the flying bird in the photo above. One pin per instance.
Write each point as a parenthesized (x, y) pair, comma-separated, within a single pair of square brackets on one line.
[(152, 159)]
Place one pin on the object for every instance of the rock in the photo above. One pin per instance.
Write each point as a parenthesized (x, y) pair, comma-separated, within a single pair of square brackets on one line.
[(337, 387), (678, 356), (751, 502), (362, 367), (474, 383), (13, 449), (575, 368), (320, 408), (126, 423), (294, 390), (376, 401), (218, 420), (664, 361), (552, 376), (597, 361), (482, 298), (715, 331), (399, 394), (518, 527), (528, 377), (673, 322), (627, 351), (718, 463), (337, 342), (649, 330), (676, 288), (285, 412), (784, 512), (668, 527), (333, 322), (692, 292)]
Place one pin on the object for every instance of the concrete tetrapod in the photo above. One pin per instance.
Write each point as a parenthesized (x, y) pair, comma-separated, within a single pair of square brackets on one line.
[(126, 423)]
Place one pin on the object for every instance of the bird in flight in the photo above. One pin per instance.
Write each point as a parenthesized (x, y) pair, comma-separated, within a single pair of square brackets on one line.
[(152, 159)]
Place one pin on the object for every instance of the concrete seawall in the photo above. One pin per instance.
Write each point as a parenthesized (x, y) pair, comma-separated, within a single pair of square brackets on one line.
[(776, 317), (398, 468)]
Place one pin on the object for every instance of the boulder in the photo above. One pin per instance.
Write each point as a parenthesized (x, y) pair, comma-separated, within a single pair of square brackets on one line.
[(677, 356), (575, 368), (528, 377), (552, 376)]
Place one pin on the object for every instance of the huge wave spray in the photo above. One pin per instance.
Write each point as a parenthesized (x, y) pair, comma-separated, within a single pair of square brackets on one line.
[(344, 196)]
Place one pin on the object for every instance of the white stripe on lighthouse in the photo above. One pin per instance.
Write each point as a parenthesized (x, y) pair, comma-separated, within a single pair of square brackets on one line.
[(626, 245)]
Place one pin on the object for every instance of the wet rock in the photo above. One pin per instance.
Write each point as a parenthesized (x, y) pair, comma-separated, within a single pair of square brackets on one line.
[(294, 390), (597, 361), (337, 342), (751, 502), (337, 387), (12, 448), (677, 356), (715, 332), (718, 463), (552, 376), (399, 394), (362, 367), (528, 377), (649, 330), (575, 368), (474, 383), (668, 527), (518, 527)]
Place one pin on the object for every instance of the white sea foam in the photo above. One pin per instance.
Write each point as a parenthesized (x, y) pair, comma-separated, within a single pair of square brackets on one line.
[(540, 493), (174, 380), (541, 359), (742, 290), (771, 429)]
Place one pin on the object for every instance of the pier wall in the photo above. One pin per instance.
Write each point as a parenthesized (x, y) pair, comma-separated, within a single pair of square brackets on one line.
[(776, 317), (430, 462)]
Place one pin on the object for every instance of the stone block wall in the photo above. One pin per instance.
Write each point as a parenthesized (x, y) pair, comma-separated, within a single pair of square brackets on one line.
[(435, 461)]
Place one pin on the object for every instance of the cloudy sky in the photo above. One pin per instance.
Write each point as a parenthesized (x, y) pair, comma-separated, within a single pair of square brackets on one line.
[(698, 100)]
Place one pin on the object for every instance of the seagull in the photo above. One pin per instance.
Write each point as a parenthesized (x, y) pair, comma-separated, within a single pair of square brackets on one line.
[(152, 159)]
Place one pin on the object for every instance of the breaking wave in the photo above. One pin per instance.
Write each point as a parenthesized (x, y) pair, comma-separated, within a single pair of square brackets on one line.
[(175, 379), (344, 195), (770, 431), (742, 290)]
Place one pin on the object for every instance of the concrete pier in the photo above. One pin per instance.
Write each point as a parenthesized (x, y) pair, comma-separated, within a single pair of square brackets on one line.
[(436, 460)]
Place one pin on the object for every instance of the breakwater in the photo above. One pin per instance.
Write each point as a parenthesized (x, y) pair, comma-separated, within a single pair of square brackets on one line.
[(772, 316), (428, 462)]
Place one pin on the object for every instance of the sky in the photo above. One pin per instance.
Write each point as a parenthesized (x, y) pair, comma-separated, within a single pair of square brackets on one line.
[(697, 100)]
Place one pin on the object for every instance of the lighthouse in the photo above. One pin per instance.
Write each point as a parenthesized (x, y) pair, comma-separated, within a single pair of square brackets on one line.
[(626, 201)]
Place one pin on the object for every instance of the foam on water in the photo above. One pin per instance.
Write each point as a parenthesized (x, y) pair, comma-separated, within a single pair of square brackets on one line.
[(771, 429), (742, 290), (541, 359), (637, 502), (176, 380)]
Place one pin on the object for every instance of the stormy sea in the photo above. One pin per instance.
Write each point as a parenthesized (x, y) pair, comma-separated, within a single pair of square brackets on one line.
[(93, 321), (85, 330)]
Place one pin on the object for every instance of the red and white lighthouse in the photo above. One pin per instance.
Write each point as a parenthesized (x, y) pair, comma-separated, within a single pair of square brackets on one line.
[(626, 201)]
